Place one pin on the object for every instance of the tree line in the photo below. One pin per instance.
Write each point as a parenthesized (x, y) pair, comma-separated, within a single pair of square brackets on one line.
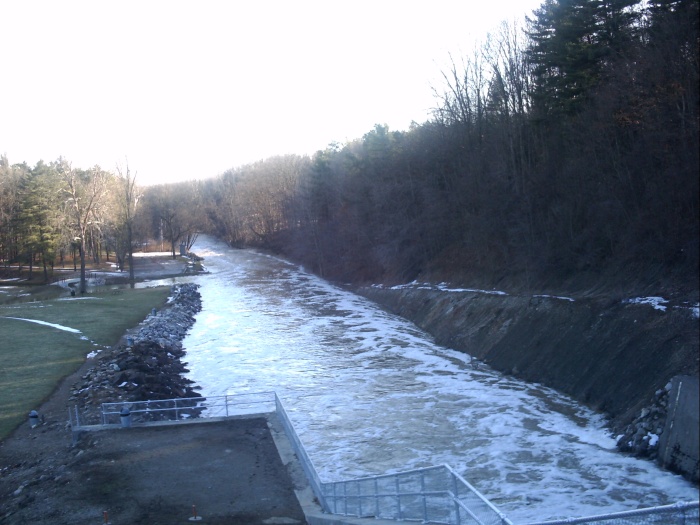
[(54, 213), (563, 147)]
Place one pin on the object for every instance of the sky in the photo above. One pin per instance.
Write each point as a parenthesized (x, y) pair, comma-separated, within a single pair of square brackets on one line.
[(186, 90)]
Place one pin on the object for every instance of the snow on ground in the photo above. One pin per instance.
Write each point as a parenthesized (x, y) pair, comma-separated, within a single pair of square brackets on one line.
[(153, 254), (444, 287), (661, 304), (561, 298), (58, 326), (657, 303)]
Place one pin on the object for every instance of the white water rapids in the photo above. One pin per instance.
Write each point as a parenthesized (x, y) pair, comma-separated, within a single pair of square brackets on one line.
[(370, 393)]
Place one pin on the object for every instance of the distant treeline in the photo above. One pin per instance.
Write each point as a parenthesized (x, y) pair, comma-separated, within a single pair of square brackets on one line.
[(566, 146), (563, 148)]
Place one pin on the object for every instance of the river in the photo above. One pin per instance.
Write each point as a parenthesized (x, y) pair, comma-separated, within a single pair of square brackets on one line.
[(370, 393)]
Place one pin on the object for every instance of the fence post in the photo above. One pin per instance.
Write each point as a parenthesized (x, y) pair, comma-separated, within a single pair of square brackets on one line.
[(398, 499), (376, 496), (359, 499), (422, 489), (455, 489)]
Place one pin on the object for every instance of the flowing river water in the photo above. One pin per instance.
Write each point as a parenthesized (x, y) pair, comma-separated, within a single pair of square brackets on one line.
[(370, 393)]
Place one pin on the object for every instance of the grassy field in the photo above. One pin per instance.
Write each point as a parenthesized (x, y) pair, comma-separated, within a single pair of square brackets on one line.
[(35, 357)]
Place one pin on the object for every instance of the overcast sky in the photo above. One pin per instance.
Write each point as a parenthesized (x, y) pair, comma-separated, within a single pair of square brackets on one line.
[(186, 90)]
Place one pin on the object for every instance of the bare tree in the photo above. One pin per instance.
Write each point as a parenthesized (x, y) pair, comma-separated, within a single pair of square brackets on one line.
[(83, 192), (129, 202)]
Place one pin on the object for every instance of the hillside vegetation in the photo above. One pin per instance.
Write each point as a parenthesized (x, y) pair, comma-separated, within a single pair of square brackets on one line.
[(562, 156)]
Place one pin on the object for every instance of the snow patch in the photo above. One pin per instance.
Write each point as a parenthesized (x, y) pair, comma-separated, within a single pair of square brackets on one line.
[(153, 254), (442, 287), (694, 310), (555, 297), (58, 326), (657, 303)]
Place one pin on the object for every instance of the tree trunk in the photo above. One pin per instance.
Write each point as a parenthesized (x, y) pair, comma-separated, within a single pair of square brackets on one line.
[(132, 278), (83, 281)]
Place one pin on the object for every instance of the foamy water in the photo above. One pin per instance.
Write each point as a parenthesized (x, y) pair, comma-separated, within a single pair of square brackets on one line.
[(370, 393)]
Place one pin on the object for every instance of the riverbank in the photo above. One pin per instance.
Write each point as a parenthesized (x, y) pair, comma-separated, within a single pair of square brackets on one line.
[(146, 363), (38, 463), (619, 357), (46, 478)]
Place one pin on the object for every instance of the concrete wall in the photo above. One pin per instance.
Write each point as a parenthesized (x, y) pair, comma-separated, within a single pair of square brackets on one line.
[(679, 448)]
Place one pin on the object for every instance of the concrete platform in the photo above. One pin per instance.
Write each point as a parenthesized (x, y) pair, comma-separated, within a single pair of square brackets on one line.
[(230, 471), (239, 470)]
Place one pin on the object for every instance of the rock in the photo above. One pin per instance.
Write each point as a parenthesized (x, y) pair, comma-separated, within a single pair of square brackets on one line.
[(636, 437), (148, 369)]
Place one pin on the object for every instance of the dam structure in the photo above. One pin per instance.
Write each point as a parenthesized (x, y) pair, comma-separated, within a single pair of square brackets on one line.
[(433, 495)]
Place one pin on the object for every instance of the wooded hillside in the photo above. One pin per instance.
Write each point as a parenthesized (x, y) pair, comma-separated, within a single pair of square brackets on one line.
[(566, 149)]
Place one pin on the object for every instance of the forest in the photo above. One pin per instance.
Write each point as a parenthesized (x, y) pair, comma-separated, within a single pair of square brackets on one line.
[(562, 154)]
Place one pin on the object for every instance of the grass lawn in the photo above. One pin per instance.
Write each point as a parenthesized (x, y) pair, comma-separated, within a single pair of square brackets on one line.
[(35, 357)]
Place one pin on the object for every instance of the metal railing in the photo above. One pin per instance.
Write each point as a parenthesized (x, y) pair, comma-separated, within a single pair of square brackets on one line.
[(302, 455), (190, 407), (432, 495), (677, 514)]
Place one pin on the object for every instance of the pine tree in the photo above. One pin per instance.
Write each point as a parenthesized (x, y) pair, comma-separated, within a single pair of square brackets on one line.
[(40, 215), (570, 43)]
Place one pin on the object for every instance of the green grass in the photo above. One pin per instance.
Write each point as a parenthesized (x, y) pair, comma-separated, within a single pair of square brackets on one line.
[(35, 357)]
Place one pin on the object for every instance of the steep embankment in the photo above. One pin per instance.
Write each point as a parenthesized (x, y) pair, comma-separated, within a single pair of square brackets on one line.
[(615, 356)]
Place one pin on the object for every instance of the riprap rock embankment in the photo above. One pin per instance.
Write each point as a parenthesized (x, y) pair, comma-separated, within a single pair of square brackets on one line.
[(145, 365)]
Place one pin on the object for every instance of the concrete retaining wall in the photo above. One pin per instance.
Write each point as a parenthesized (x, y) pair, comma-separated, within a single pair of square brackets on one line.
[(679, 448)]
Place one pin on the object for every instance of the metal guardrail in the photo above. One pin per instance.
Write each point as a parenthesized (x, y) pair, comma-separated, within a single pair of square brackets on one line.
[(676, 514), (432, 495), (302, 455), (191, 407)]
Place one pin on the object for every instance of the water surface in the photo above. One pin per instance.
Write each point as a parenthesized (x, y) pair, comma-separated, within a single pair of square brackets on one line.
[(370, 393)]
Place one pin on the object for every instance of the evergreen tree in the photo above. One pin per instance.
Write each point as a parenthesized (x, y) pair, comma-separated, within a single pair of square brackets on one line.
[(40, 216), (570, 42)]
